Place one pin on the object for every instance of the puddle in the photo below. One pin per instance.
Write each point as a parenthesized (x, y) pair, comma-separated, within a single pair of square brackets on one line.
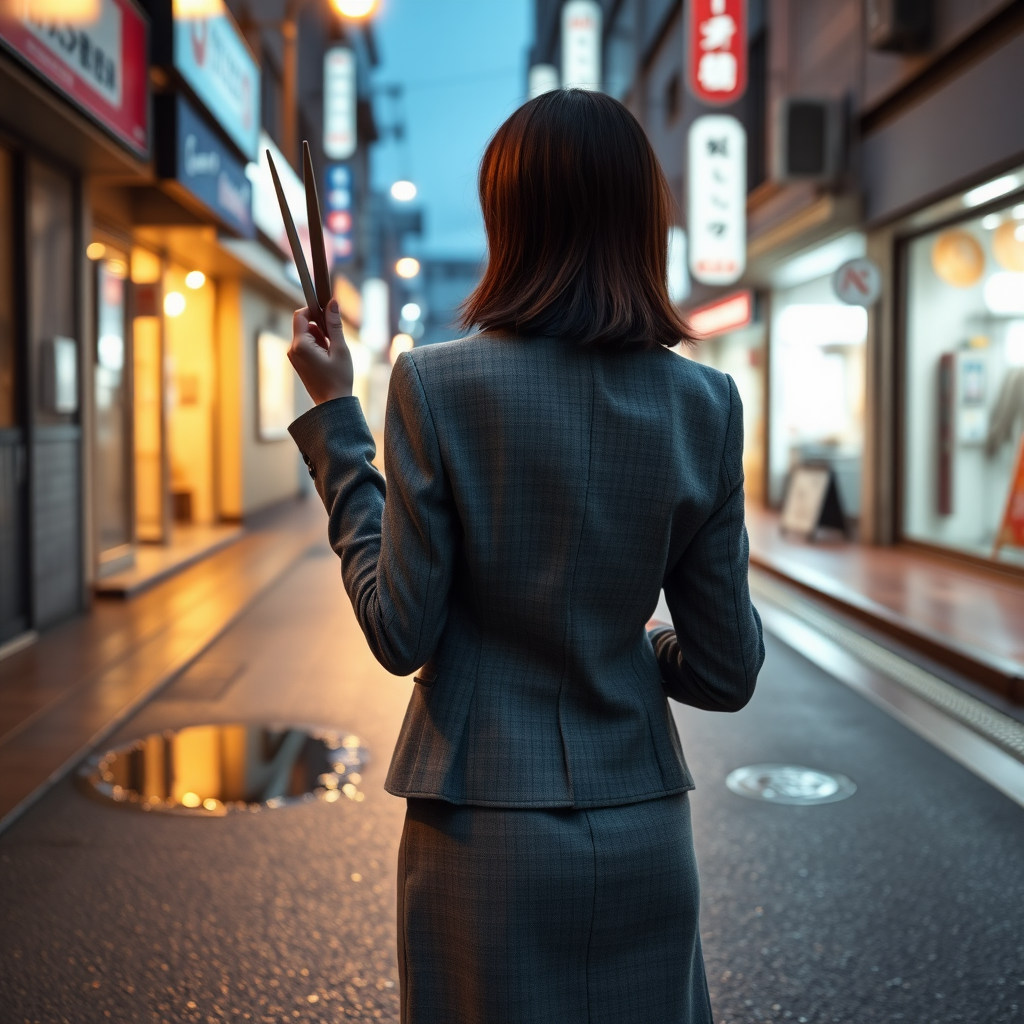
[(213, 770), (789, 784)]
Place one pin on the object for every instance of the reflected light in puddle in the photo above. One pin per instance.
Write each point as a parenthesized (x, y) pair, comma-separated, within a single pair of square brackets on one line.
[(211, 770)]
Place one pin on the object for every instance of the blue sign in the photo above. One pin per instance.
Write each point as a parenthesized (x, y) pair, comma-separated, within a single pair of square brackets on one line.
[(213, 58), (338, 204), (211, 172)]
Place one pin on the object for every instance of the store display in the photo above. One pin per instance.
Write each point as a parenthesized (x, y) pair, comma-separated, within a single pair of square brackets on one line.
[(963, 393), (1008, 245), (1011, 532), (958, 258)]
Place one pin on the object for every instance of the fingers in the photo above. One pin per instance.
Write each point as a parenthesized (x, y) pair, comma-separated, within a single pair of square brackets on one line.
[(334, 329)]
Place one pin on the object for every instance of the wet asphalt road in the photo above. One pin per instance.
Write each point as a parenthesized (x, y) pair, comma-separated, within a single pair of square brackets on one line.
[(903, 903)]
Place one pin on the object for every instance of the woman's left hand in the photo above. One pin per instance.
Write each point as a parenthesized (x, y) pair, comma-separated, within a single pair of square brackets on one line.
[(324, 365)]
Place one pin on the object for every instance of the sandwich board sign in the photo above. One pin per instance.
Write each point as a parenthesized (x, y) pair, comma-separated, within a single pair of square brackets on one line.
[(811, 502)]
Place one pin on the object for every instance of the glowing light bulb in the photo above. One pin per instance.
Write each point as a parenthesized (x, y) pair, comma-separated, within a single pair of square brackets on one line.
[(95, 250), (400, 343), (174, 304), (411, 311), (355, 8), (407, 267), (195, 279)]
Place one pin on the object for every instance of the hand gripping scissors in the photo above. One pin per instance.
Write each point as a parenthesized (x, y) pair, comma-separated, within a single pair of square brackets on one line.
[(317, 290)]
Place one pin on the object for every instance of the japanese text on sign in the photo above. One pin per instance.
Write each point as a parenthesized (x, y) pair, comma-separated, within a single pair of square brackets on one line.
[(717, 199), (718, 50)]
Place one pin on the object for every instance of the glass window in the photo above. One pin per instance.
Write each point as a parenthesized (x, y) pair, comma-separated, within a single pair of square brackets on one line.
[(964, 386), (817, 383)]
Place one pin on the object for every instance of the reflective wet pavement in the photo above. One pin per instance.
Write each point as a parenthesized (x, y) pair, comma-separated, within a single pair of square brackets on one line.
[(900, 903)]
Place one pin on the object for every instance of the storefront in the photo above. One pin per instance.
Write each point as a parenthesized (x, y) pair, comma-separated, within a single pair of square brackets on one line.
[(732, 335), (962, 377), (62, 118), (816, 403)]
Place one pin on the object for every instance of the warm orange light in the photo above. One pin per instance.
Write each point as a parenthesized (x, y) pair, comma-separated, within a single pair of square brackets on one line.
[(407, 267), (72, 12), (195, 279), (355, 8), (174, 304), (400, 343), (95, 250), (184, 9)]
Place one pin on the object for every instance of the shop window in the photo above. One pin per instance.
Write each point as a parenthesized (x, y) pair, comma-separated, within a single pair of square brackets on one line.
[(964, 387)]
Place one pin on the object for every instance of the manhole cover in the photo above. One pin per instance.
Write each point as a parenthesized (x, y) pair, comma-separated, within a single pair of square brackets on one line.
[(209, 770), (789, 784)]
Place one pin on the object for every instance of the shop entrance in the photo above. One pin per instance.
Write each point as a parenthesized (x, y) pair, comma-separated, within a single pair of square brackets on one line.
[(189, 310)]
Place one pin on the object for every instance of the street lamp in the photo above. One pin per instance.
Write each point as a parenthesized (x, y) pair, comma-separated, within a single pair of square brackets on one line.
[(355, 9), (404, 191)]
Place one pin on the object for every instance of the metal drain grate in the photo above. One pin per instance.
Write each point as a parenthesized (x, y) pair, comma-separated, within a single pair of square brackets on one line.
[(789, 784)]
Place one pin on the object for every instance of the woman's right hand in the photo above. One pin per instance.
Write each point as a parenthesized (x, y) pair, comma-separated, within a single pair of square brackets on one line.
[(324, 365)]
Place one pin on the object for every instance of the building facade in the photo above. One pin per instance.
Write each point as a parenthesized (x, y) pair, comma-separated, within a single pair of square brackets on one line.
[(913, 401), (145, 295)]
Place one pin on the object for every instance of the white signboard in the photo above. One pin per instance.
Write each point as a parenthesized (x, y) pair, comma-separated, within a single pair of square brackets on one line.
[(858, 282), (375, 332), (717, 208), (581, 44), (276, 394), (542, 78), (339, 103), (91, 51)]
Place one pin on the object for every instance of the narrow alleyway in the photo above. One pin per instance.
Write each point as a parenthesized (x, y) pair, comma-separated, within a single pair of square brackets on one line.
[(901, 903)]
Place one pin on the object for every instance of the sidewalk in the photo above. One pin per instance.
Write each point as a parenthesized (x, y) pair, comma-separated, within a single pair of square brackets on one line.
[(969, 619), (65, 693)]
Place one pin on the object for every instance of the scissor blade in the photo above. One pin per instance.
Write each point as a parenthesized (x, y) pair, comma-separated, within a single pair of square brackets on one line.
[(300, 260), (321, 273)]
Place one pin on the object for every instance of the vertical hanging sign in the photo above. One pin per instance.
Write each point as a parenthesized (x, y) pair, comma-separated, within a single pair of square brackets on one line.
[(339, 103), (339, 210), (581, 44), (717, 213), (717, 45)]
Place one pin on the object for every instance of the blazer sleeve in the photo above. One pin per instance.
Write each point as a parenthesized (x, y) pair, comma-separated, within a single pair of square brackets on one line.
[(711, 658), (396, 541)]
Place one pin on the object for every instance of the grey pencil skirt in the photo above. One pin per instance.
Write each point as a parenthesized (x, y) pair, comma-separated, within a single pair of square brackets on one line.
[(554, 917)]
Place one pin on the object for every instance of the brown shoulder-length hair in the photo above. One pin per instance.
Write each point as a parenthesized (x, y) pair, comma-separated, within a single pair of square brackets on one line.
[(576, 210)]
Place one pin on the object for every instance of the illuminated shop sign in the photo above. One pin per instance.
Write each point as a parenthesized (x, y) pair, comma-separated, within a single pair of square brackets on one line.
[(197, 159), (339, 103), (581, 44), (717, 45), (717, 209), (338, 204), (213, 58), (728, 314), (101, 66)]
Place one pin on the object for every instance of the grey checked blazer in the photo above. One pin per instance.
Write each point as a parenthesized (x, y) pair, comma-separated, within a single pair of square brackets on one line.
[(538, 498)]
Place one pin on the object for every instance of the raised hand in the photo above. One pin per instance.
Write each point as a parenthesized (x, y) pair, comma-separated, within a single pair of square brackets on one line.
[(324, 365)]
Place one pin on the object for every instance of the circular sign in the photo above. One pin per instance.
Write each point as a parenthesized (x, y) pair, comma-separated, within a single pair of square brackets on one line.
[(1008, 245), (858, 282)]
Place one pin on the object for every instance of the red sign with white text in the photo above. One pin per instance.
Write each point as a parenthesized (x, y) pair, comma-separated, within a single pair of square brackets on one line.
[(1011, 533), (100, 66), (728, 314), (717, 42)]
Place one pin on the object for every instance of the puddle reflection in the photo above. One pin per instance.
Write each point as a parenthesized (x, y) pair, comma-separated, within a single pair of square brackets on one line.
[(211, 770)]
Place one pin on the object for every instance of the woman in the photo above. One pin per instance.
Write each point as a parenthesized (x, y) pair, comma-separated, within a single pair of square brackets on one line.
[(547, 477)]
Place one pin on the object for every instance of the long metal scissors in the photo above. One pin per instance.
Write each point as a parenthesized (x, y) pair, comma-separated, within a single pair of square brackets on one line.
[(317, 290)]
